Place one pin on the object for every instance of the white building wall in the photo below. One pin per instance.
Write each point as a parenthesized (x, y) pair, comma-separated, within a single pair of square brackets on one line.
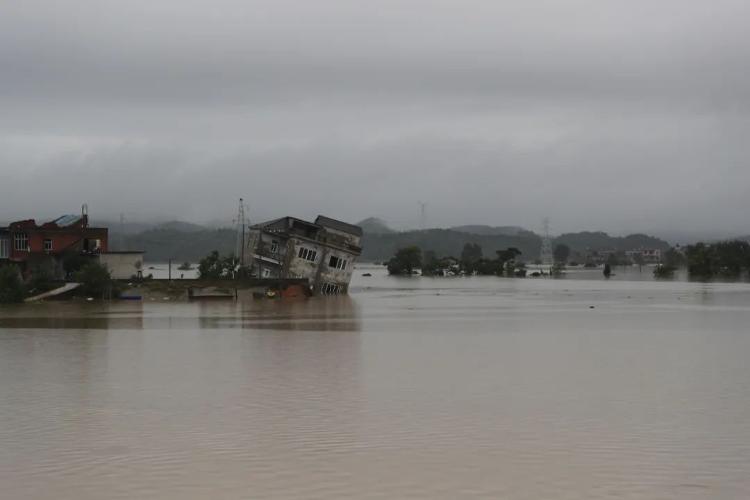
[(122, 266)]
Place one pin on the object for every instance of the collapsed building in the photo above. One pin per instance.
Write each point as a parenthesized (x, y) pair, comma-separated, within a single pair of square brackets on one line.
[(323, 252)]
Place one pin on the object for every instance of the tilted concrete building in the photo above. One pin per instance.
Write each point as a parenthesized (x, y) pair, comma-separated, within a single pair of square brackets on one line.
[(323, 251)]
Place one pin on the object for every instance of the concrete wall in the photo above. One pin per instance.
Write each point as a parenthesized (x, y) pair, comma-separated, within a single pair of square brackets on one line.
[(333, 276), (122, 265), (297, 267), (319, 272), (266, 268)]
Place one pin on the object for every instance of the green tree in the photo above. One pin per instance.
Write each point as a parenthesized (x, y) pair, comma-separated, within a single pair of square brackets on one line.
[(470, 255), (96, 281), (430, 263), (405, 261), (213, 266), (664, 271), (561, 253), (700, 260), (11, 286), (73, 262), (506, 260), (674, 258)]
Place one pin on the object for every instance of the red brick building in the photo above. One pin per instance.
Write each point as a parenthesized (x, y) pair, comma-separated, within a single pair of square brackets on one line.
[(27, 243)]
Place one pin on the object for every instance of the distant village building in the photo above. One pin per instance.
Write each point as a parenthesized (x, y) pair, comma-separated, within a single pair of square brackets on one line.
[(33, 247), (323, 251), (647, 255)]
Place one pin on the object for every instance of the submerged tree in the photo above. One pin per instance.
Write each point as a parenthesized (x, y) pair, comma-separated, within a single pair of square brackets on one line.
[(96, 281), (405, 261), (213, 266), (507, 260), (471, 254), (726, 258), (664, 271), (561, 253)]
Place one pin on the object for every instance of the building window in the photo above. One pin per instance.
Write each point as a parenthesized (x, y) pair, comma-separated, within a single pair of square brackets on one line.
[(21, 242), (307, 254), (266, 273), (330, 289), (47, 245), (337, 262), (274, 246), (4, 248)]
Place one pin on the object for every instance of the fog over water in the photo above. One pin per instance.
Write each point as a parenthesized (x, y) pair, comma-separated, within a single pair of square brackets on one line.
[(408, 388), (622, 116)]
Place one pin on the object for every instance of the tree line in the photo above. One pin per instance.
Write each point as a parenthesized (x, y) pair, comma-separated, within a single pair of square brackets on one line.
[(725, 259), (472, 261)]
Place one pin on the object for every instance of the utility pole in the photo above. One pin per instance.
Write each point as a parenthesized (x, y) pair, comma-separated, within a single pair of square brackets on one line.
[(239, 251), (422, 215), (546, 255), (122, 231), (170, 270)]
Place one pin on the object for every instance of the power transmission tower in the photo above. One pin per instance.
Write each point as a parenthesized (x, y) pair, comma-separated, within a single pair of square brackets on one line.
[(422, 215), (546, 255)]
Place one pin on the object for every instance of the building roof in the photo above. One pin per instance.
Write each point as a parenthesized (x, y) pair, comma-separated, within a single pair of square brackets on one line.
[(338, 225), (67, 220), (285, 223)]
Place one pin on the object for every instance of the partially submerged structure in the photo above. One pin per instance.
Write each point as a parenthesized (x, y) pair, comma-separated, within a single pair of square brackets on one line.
[(323, 252)]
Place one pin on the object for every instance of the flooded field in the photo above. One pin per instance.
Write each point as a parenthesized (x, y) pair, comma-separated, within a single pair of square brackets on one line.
[(408, 388)]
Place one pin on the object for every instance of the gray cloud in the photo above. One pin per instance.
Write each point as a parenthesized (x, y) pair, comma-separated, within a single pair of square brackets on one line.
[(603, 115)]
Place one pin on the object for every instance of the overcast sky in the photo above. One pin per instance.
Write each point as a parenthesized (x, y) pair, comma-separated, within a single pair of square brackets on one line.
[(629, 115)]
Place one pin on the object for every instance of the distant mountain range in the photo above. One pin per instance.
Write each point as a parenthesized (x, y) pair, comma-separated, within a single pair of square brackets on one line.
[(491, 230), (183, 241)]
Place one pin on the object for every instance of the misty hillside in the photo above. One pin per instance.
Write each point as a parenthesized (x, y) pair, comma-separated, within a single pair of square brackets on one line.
[(183, 241), (580, 242), (178, 225), (491, 230), (373, 225), (161, 244), (446, 242)]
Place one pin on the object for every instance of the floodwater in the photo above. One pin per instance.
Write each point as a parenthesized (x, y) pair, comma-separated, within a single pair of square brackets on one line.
[(408, 388)]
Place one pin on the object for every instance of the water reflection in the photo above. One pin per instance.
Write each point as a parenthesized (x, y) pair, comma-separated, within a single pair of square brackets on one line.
[(73, 315), (465, 388)]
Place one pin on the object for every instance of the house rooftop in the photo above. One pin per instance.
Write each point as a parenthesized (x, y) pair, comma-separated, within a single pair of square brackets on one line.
[(338, 225), (67, 220)]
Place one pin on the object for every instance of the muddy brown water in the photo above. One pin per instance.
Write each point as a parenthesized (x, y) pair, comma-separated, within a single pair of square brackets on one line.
[(408, 388)]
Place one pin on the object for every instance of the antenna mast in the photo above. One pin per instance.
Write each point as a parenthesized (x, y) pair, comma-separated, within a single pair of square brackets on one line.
[(422, 215)]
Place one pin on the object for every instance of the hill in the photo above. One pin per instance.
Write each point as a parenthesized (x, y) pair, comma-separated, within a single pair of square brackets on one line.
[(161, 244), (491, 230), (178, 225), (183, 241), (373, 225), (580, 242), (447, 242)]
